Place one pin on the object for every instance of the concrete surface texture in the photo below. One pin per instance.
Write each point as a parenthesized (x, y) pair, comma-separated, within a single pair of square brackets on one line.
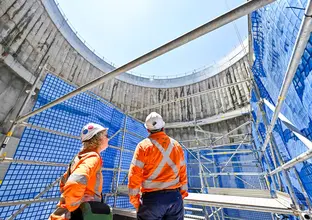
[(34, 33)]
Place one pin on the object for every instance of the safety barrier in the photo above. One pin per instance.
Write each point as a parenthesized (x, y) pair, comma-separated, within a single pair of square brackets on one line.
[(25, 181)]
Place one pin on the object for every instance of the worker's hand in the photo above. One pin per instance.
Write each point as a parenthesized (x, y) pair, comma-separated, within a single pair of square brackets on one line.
[(137, 209)]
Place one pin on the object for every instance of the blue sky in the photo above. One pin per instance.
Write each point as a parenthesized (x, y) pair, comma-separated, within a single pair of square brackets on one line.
[(122, 30)]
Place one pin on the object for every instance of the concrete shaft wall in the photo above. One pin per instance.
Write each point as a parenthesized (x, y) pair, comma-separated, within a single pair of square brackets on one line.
[(30, 38)]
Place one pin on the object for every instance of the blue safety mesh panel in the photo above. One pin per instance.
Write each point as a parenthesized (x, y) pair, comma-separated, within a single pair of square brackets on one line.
[(219, 160), (24, 181), (241, 214), (275, 29)]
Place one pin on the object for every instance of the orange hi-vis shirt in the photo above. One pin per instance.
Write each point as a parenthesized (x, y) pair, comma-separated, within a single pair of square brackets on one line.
[(158, 163), (83, 184)]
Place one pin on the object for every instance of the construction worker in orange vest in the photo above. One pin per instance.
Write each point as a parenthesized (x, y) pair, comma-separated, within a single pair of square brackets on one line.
[(83, 180), (158, 171)]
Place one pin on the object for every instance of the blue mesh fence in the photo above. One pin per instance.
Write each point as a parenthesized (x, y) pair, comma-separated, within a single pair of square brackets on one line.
[(275, 29), (23, 181), (214, 161)]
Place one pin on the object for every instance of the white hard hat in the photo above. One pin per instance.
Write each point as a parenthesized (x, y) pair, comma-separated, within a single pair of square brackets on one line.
[(154, 121), (91, 129)]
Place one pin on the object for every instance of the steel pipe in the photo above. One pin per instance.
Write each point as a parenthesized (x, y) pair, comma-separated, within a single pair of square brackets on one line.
[(28, 201), (231, 152), (234, 174), (31, 126), (302, 157), (214, 24), (32, 162), (216, 146), (232, 155), (120, 160)]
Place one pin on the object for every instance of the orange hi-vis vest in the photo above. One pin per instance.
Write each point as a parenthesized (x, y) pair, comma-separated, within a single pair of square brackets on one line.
[(158, 163), (83, 184)]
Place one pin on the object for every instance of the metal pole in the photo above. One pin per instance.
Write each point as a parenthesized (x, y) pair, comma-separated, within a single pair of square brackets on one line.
[(305, 194), (214, 180), (232, 136), (300, 45), (188, 96), (91, 94), (120, 160), (215, 146), (285, 173), (210, 171), (280, 160), (244, 181), (235, 174), (200, 174), (195, 157), (272, 177), (214, 212), (290, 126), (302, 157), (213, 161), (13, 125), (250, 44), (134, 134), (202, 181), (225, 135), (25, 124), (232, 155), (28, 201), (231, 152), (36, 197), (265, 158), (266, 123), (12, 160), (274, 163), (216, 23)]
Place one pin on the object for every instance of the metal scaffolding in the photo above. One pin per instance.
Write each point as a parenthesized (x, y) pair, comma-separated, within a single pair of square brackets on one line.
[(204, 171)]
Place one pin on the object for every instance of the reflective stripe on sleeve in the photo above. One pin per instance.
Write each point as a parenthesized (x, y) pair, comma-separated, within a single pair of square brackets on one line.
[(75, 203), (79, 178), (134, 192), (137, 163), (182, 163), (184, 187)]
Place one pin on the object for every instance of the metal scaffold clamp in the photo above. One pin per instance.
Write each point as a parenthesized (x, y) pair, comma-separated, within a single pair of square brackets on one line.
[(305, 214)]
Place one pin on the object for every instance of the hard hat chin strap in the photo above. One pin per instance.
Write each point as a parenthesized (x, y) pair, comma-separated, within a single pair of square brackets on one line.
[(155, 131)]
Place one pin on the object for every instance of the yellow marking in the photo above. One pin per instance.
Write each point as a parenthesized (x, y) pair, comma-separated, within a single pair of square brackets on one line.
[(9, 134), (3, 155), (0, 182), (281, 98), (267, 182)]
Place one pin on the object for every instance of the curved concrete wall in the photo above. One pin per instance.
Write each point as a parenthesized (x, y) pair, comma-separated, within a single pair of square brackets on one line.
[(97, 62), (34, 33)]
